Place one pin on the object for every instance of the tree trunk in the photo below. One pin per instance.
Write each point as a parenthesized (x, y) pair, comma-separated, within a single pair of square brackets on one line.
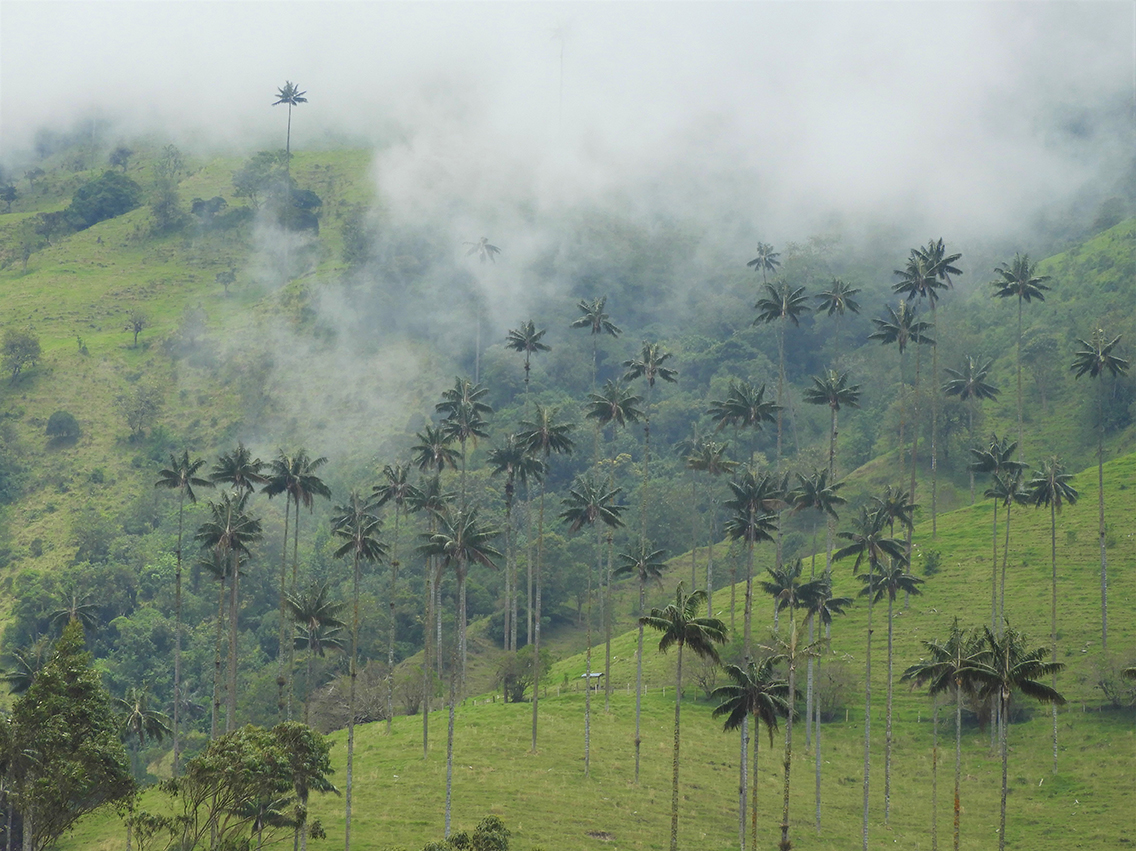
[(1005, 558), (282, 651), (809, 690), (234, 587), (958, 757), (693, 533), (914, 440), (868, 706), (215, 722), (1019, 360), (887, 726), (994, 574), (291, 689), (390, 634), (351, 700), (462, 626), (1003, 705), (935, 775), (1100, 509), (177, 641), (588, 661), (743, 779), (934, 426), (747, 614), (450, 745), (607, 624), (786, 845), (639, 677), (536, 616), (1052, 628), (426, 657), (816, 743), (674, 762)]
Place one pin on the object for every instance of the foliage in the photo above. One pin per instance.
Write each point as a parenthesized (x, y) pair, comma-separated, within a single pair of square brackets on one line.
[(21, 350), (103, 198), (140, 407), (62, 425), (515, 672)]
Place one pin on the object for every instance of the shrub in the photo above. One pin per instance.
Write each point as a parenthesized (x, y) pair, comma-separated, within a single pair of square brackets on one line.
[(103, 198), (63, 426)]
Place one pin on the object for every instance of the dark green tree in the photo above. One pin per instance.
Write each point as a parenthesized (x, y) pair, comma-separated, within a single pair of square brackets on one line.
[(970, 385), (781, 304), (316, 616)]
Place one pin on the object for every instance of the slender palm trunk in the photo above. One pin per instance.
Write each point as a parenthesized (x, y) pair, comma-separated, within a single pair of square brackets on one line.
[(588, 661), (1052, 628), (1100, 510), (282, 653), (639, 675), (529, 568), (809, 691), (887, 728), (753, 786), (994, 574), (536, 621), (935, 775), (934, 426), (450, 744), (674, 761), (786, 845), (710, 558), (832, 447), (970, 437), (743, 780), (607, 624), (868, 705), (234, 587), (693, 533), (218, 642), (351, 700), (914, 441), (1003, 705), (1019, 360), (1005, 559), (461, 571), (747, 615), (426, 655), (510, 575), (177, 640), (308, 678), (390, 634), (958, 757)]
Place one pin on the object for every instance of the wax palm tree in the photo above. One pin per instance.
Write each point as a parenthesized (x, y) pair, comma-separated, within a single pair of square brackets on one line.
[(646, 565), (1006, 666), (590, 503), (24, 664), (239, 470), (765, 261), (181, 476), (1019, 279), (970, 385), (710, 458), (140, 721), (526, 340), (1095, 358), (543, 435), (753, 510), (465, 410), (681, 627), (359, 530), (459, 542), (483, 249), (433, 452), (781, 304), (648, 366), (896, 505), (230, 531), (217, 564), (837, 300), (1050, 487), (927, 273), (745, 407), (833, 389), (783, 585), (947, 667), (1010, 490), (290, 95), (598, 323), (73, 607), (821, 606), (316, 616), (868, 542), (294, 476), (891, 578), (996, 459), (756, 692), (615, 405)]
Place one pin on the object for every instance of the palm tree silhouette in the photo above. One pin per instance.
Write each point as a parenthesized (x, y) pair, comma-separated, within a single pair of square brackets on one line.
[(782, 585), (218, 565), (948, 667), (745, 406), (646, 565), (868, 542), (526, 340), (293, 475), (1094, 358), (710, 458), (591, 503), (319, 628), (181, 476), (483, 249), (140, 722), (1007, 666), (1019, 279), (995, 460), (754, 692), (833, 389), (753, 511), (359, 529), (1010, 490), (648, 366), (891, 578), (765, 261), (290, 95), (598, 323), (681, 627), (837, 300), (781, 304), (970, 385), (819, 494), (465, 410), (1050, 487)]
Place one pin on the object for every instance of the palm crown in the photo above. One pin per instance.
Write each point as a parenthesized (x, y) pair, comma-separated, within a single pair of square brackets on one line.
[(595, 319), (833, 389), (182, 476), (838, 299), (1018, 279), (901, 327), (1095, 356), (970, 381), (745, 406), (766, 259), (781, 302), (483, 249), (649, 365), (589, 502)]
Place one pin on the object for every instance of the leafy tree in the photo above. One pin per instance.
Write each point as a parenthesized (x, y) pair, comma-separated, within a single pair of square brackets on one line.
[(681, 627), (21, 350), (646, 565), (65, 755), (1050, 487), (62, 426), (1095, 358), (136, 323), (182, 477), (320, 629), (120, 157), (970, 385), (8, 194), (1006, 666), (140, 407), (1019, 279), (755, 692), (359, 531), (103, 198), (260, 176)]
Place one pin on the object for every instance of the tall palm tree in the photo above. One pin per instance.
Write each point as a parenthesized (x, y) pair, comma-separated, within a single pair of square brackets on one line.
[(745, 407), (783, 585), (217, 564), (543, 435), (397, 491), (1050, 487), (615, 405), (294, 476), (140, 721), (754, 692), (710, 458), (483, 249), (927, 273), (290, 95), (767, 260), (317, 617), (891, 578), (1095, 358), (527, 340), (781, 304), (648, 366), (868, 542), (820, 604), (359, 529), (790, 645), (833, 389), (646, 565), (598, 323), (1007, 666), (181, 476), (1019, 279), (947, 667), (1010, 490), (681, 627), (838, 299), (996, 459), (590, 503), (459, 542), (432, 451), (465, 411), (970, 385), (753, 510), (513, 461), (230, 531), (239, 470)]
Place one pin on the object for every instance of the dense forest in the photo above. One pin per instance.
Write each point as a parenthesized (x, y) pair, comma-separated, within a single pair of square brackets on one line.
[(284, 454)]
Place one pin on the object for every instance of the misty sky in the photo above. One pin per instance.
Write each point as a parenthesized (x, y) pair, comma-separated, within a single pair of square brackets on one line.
[(964, 114)]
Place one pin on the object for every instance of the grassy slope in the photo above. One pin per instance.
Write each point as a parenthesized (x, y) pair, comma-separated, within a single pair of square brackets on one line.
[(546, 801)]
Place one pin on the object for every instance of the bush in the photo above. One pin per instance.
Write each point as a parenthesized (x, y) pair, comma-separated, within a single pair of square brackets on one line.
[(103, 198), (62, 426)]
